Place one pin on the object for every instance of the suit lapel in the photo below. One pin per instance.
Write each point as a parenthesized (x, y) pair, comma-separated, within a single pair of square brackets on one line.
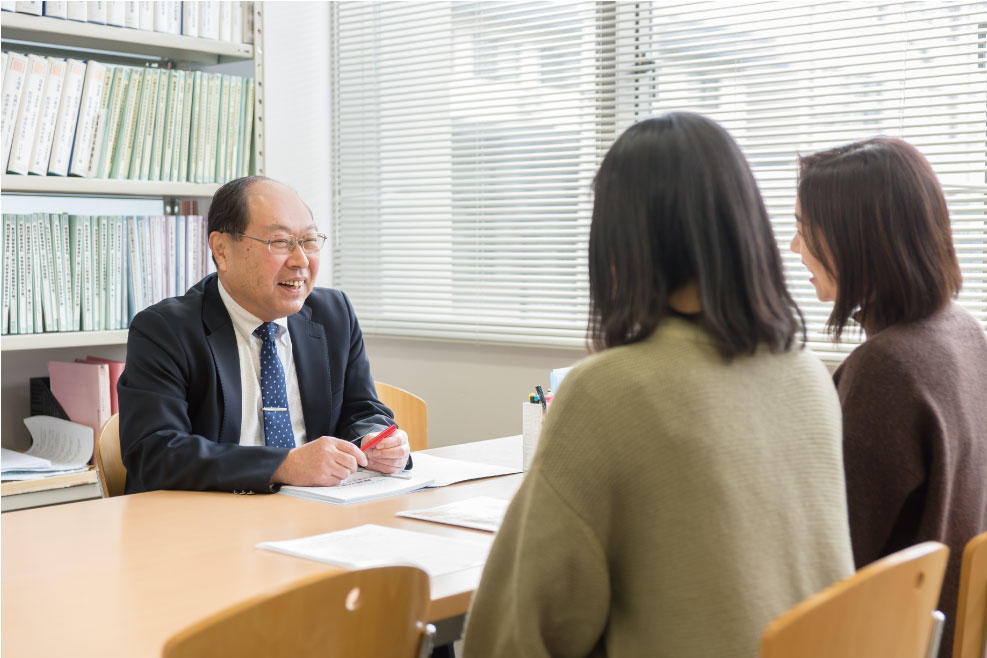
[(222, 343), (308, 347)]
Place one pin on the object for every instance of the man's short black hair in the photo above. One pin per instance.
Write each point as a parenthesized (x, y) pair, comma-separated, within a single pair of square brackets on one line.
[(228, 210)]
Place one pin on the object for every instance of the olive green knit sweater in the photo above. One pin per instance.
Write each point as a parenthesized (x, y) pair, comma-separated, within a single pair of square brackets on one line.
[(676, 504)]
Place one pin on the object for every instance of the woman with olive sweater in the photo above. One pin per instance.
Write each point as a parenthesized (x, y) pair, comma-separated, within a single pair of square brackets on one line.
[(688, 483)]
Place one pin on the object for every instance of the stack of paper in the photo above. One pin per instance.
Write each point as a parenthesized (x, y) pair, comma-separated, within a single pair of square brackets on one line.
[(59, 447)]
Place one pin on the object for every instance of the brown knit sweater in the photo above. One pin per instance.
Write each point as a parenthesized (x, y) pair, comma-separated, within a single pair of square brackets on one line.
[(914, 400)]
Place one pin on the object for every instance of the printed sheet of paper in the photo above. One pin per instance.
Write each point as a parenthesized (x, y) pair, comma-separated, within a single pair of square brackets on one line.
[(443, 471), (64, 443), (360, 486), (480, 512), (11, 460), (373, 545)]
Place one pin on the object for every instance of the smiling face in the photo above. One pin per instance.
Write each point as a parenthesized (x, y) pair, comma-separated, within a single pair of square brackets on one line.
[(820, 278), (267, 284)]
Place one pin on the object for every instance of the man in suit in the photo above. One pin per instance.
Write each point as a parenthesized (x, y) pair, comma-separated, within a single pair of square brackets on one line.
[(253, 378)]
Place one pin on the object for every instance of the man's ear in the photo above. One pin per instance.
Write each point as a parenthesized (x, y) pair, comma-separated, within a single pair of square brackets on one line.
[(219, 244)]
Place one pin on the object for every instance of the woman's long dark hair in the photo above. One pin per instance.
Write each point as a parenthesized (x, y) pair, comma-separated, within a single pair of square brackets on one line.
[(878, 208), (676, 202)]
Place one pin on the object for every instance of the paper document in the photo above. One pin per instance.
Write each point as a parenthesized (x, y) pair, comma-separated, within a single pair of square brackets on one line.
[(443, 471), (58, 446), (479, 512), (373, 546), (427, 471), (362, 485), (20, 461)]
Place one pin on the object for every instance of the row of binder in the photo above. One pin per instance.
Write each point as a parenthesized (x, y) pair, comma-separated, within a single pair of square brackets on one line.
[(222, 20), (69, 117), (66, 272)]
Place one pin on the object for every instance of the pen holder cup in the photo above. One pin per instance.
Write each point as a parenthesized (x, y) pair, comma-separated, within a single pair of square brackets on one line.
[(531, 416)]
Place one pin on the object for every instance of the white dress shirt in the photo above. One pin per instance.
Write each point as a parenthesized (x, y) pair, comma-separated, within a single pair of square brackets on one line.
[(248, 348)]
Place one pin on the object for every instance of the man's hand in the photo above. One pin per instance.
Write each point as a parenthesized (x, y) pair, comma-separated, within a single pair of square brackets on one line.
[(325, 462), (390, 455)]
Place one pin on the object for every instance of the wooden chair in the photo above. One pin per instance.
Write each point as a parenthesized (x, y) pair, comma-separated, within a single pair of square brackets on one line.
[(970, 637), (885, 609), (372, 613), (410, 413), (108, 461)]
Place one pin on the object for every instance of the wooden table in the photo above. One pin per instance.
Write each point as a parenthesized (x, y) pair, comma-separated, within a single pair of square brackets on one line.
[(118, 576)]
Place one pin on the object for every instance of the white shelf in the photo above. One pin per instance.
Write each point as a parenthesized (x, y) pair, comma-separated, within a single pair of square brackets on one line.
[(73, 34), (15, 343), (105, 186)]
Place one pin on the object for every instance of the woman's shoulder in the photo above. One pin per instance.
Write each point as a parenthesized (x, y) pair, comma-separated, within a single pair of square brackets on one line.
[(680, 355), (673, 341), (884, 356), (901, 352), (905, 348)]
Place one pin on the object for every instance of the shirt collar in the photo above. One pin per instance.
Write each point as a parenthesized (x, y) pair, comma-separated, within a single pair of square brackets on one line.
[(243, 320)]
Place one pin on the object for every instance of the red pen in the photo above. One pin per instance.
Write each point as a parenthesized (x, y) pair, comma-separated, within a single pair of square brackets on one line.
[(383, 435)]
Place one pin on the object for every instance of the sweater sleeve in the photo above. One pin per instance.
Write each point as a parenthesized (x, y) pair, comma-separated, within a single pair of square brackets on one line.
[(883, 448), (528, 603)]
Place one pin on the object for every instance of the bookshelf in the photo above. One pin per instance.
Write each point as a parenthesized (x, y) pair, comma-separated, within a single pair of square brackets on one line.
[(26, 355)]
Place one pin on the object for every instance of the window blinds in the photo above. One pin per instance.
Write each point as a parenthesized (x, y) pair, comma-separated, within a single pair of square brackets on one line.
[(465, 137)]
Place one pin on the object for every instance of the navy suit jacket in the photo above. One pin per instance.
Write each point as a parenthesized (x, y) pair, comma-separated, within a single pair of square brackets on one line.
[(180, 391)]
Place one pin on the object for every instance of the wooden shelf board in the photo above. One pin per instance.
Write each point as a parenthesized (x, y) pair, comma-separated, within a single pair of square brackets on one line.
[(13, 343), (110, 187), (75, 34)]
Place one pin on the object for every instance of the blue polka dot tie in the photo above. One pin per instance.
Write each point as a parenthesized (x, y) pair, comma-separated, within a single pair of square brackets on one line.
[(277, 418)]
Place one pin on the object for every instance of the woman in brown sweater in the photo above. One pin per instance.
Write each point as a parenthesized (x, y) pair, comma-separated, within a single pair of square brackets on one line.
[(873, 229)]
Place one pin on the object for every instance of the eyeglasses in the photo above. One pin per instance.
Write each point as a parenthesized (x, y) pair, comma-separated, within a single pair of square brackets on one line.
[(310, 244)]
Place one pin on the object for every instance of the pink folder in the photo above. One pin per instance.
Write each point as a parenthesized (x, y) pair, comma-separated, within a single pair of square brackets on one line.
[(116, 367), (83, 390)]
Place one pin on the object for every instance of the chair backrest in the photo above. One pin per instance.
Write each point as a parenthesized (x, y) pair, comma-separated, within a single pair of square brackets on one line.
[(410, 413), (108, 461), (885, 609), (376, 613), (970, 638)]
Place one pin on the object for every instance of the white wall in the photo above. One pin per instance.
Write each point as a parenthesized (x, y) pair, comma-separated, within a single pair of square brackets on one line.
[(296, 81), (473, 391)]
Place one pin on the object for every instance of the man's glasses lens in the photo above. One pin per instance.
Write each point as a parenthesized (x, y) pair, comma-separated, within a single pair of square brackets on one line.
[(309, 244)]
